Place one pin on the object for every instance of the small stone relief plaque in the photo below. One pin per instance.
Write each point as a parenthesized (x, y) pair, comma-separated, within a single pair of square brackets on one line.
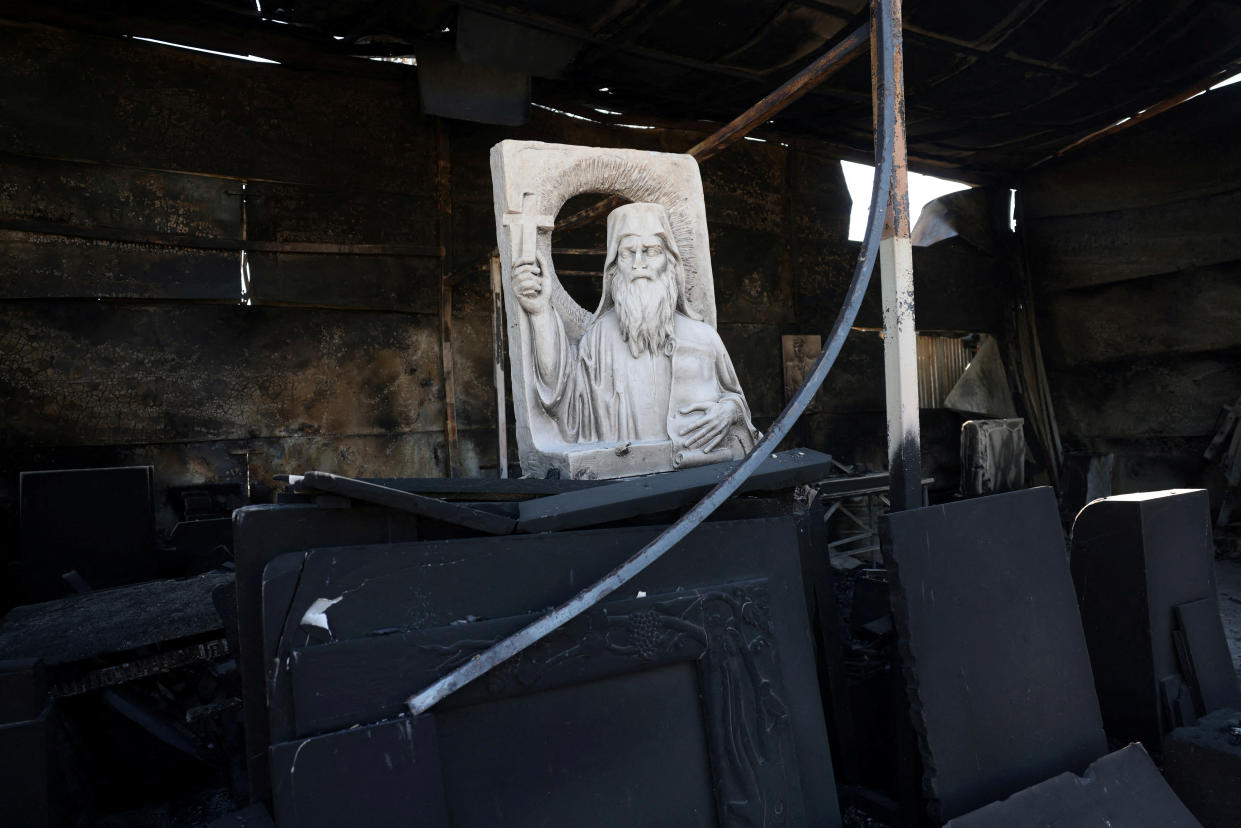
[(643, 384), (799, 351)]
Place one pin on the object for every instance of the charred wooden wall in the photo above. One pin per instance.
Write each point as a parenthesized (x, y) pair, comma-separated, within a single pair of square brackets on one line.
[(133, 175), (1135, 256)]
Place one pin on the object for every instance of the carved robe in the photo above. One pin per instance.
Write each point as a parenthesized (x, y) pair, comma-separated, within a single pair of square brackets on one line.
[(598, 392)]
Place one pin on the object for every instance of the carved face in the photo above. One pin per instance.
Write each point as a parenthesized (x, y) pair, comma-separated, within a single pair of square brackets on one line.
[(641, 257), (644, 293)]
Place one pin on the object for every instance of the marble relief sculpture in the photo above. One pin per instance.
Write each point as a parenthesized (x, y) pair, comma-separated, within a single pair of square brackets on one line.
[(643, 384)]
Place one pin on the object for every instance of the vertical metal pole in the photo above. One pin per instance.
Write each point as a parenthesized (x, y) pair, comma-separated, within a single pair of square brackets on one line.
[(896, 275), (497, 348)]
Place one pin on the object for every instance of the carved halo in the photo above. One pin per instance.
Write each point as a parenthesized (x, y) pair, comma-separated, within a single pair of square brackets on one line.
[(634, 181)]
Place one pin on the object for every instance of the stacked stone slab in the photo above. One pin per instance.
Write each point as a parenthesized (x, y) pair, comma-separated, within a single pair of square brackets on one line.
[(991, 646), (1122, 788), (999, 677), (1143, 568)]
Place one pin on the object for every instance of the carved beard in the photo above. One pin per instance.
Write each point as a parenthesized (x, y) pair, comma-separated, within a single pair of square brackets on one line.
[(644, 310)]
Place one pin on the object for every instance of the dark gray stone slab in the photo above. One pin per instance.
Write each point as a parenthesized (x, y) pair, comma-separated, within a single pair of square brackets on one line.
[(991, 646), (661, 492), (377, 776), (1121, 789), (479, 488), (261, 533), (417, 504), (1210, 662), (576, 730), (1134, 558), (97, 522), (1203, 766)]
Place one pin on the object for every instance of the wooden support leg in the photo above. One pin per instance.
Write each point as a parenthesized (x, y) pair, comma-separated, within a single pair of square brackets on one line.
[(497, 347)]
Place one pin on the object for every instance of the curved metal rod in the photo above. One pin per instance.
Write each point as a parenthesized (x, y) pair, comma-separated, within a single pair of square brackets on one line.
[(525, 637)]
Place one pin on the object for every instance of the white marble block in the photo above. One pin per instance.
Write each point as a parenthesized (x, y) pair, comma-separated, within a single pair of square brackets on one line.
[(643, 384)]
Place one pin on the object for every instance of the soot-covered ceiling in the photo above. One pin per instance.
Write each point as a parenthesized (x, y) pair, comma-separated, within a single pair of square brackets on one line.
[(992, 87)]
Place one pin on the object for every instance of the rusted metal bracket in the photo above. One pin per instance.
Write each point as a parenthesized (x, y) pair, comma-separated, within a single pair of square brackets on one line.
[(888, 86)]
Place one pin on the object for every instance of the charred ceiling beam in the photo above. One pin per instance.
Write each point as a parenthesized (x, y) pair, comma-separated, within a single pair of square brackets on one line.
[(834, 11), (606, 45), (1149, 112), (795, 87), (823, 67), (960, 47), (202, 26)]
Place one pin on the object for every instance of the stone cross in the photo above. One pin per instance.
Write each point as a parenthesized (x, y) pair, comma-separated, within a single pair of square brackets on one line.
[(529, 222)]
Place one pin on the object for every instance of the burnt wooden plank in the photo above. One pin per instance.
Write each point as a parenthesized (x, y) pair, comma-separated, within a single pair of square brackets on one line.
[(474, 375), (406, 283), (1189, 311), (1163, 396), (86, 195), (82, 627), (750, 287), (755, 351), (1132, 169), (354, 215), (88, 373), (40, 266), (661, 492), (73, 229), (1098, 248), (123, 101), (743, 188), (958, 288), (417, 504)]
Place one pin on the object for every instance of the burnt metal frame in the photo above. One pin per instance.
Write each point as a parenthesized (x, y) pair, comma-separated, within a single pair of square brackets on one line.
[(888, 89)]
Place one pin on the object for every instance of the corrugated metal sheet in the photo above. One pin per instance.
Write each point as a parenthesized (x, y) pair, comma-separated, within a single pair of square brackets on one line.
[(941, 362)]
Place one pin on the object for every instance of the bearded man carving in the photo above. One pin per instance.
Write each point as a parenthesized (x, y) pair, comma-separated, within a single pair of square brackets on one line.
[(645, 369)]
